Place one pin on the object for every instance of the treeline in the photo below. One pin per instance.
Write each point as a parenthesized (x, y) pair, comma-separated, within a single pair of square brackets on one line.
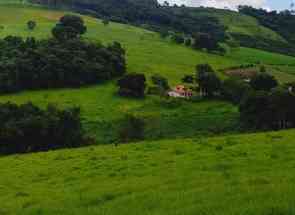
[(150, 14), (63, 61), (27, 128)]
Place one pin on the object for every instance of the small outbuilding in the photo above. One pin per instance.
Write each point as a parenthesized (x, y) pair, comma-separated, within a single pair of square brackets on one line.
[(180, 91)]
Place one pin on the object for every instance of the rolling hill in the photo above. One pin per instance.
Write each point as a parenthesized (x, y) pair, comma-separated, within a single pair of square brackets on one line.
[(147, 53), (178, 169)]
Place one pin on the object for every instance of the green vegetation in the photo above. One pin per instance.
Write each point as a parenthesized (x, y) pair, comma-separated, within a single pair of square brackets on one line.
[(245, 174), (147, 53), (187, 172)]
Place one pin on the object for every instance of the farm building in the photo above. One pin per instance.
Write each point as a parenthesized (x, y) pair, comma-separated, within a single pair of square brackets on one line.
[(181, 91)]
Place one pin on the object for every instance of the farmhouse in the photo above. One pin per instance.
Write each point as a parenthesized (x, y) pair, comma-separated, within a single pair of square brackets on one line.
[(180, 91)]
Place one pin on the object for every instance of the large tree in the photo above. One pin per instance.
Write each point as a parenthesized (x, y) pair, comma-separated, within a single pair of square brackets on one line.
[(209, 82), (69, 27), (263, 81)]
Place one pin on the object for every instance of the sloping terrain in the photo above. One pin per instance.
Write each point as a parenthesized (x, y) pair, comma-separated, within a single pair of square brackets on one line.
[(246, 174), (228, 175), (146, 53)]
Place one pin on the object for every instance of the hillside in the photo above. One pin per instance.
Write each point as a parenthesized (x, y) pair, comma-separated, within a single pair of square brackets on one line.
[(246, 174), (195, 158), (147, 53), (102, 110), (245, 29)]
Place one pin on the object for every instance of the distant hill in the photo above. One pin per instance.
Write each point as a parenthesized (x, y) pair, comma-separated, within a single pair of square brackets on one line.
[(245, 29)]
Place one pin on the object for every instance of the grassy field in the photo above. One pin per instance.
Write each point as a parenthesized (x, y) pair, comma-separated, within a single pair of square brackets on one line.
[(245, 174), (102, 112)]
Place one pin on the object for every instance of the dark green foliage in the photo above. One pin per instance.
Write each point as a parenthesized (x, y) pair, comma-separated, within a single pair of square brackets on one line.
[(27, 128), (263, 81), (69, 27), (31, 64), (177, 38), (160, 81), (205, 41), (31, 25), (254, 110), (188, 42), (208, 81), (105, 22), (188, 79), (132, 129), (132, 85), (234, 89), (164, 33), (268, 110)]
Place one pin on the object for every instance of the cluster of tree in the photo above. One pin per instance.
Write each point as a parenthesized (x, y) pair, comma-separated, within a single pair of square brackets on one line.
[(27, 128), (209, 82), (63, 61), (263, 104), (205, 29), (268, 109)]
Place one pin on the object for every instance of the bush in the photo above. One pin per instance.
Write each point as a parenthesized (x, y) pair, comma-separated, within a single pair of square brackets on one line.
[(188, 79), (132, 129), (105, 22), (132, 85), (177, 38), (27, 128), (263, 81), (234, 89), (160, 81), (31, 25)]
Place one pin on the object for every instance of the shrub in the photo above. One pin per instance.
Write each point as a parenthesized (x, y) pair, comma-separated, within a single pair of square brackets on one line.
[(160, 81), (132, 85), (234, 89), (31, 25), (188, 79), (263, 81), (105, 22), (177, 38), (132, 129), (27, 128)]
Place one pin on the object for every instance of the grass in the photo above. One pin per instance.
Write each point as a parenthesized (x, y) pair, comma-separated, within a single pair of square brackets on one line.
[(102, 111), (244, 174), (229, 175)]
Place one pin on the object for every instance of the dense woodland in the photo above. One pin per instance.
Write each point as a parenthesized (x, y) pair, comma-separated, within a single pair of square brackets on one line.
[(63, 61)]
